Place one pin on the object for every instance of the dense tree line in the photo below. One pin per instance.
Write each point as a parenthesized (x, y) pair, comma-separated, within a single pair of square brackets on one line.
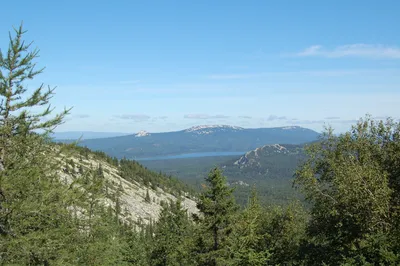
[(351, 182), (271, 171)]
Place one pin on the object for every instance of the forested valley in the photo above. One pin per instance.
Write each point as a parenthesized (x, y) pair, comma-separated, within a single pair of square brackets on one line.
[(350, 183)]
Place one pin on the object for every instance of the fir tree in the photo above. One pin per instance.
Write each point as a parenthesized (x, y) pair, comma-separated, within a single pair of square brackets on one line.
[(217, 207), (246, 240), (171, 231)]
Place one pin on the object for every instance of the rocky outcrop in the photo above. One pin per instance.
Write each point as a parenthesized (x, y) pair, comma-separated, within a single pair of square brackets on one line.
[(133, 195)]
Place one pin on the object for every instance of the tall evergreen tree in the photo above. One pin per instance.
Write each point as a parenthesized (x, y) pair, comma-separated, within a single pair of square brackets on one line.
[(217, 207), (171, 233), (247, 238), (17, 117), (35, 224)]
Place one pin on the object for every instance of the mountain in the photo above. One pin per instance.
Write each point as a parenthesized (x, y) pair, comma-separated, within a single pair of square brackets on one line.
[(270, 168), (215, 138), (272, 161), (75, 135), (142, 191)]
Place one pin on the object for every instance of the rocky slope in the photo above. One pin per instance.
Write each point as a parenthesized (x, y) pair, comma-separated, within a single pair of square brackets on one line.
[(133, 195), (266, 162)]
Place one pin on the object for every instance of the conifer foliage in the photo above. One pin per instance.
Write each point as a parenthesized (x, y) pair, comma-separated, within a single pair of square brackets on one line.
[(217, 209), (170, 236), (17, 115), (32, 213)]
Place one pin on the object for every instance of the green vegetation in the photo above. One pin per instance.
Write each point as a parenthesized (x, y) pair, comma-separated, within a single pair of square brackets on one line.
[(271, 171), (223, 139), (133, 171), (351, 182), (217, 206), (172, 233)]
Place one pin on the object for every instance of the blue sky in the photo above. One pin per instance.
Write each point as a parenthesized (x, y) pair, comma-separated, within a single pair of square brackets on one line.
[(126, 66)]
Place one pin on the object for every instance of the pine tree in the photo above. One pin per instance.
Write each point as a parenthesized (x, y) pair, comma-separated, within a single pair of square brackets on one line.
[(17, 119), (35, 224), (42, 220), (217, 207), (172, 230), (247, 238)]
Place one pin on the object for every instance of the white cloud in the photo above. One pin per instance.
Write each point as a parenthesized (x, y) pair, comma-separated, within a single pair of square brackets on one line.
[(375, 51), (134, 117), (204, 116), (275, 117), (322, 122), (245, 117)]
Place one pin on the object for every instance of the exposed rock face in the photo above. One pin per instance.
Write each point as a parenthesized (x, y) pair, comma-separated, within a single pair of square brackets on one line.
[(251, 158), (134, 205), (239, 183), (142, 133), (209, 129)]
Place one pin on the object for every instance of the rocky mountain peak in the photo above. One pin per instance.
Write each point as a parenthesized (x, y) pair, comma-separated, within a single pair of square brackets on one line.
[(142, 133), (207, 129)]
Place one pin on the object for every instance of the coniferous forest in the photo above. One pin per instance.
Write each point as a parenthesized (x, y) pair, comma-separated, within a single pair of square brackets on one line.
[(350, 182)]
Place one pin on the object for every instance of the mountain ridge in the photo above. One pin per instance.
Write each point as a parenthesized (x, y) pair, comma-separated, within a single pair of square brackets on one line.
[(68, 135), (198, 139)]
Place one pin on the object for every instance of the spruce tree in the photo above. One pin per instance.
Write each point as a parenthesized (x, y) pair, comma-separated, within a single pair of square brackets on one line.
[(171, 232), (247, 238), (217, 208)]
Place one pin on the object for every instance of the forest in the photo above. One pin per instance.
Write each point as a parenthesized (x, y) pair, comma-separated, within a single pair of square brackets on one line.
[(350, 183)]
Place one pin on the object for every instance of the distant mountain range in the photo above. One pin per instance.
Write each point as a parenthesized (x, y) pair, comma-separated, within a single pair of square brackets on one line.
[(215, 138)]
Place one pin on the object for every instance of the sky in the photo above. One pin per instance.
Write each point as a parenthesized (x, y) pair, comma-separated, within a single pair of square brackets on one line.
[(126, 66)]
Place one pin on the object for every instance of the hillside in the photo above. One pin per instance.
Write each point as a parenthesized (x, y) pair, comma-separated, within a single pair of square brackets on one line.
[(141, 191), (269, 167), (273, 161), (218, 138)]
